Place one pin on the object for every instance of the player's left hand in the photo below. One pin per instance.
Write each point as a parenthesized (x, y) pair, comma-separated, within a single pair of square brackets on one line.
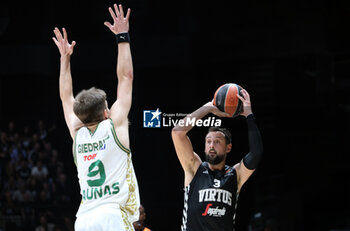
[(120, 23), (247, 108)]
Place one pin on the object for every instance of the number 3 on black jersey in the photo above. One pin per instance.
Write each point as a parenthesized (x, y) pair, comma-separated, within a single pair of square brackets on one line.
[(216, 183)]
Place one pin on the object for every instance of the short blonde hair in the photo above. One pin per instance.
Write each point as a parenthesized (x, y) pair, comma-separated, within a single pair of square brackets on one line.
[(89, 105)]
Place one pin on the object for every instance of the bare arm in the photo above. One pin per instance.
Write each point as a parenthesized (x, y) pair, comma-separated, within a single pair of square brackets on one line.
[(121, 107), (65, 80), (189, 160)]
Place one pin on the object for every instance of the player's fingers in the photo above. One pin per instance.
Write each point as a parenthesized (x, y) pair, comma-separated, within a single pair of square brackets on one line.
[(121, 10), (65, 36), (108, 24), (246, 94), (128, 14), (73, 44), (55, 41), (110, 27), (116, 10), (112, 13), (219, 113), (57, 34), (241, 98)]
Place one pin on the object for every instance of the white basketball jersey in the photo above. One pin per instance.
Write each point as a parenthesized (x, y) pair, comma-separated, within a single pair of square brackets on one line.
[(105, 171)]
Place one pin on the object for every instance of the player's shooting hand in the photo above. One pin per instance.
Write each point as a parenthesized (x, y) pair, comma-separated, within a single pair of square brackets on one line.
[(247, 108), (120, 23), (215, 110), (65, 48)]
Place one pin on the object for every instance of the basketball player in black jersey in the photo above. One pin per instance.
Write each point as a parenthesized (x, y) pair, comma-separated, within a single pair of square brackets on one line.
[(211, 187)]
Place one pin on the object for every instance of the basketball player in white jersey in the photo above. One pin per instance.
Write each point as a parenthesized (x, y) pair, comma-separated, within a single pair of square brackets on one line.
[(108, 186)]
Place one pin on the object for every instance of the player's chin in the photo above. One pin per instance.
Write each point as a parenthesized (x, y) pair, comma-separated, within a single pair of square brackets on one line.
[(211, 158), (214, 159), (212, 155)]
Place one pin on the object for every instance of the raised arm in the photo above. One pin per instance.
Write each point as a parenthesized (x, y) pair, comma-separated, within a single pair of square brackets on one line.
[(121, 107), (189, 160), (65, 80), (250, 161)]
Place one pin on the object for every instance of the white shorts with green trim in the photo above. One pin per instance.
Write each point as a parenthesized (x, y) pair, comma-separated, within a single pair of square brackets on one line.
[(103, 218)]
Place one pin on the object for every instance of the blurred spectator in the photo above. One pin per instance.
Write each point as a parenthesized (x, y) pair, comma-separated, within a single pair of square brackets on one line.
[(45, 194), (11, 211), (22, 194), (9, 207), (42, 132), (62, 189), (68, 224), (4, 142), (11, 129), (10, 169), (17, 152), (39, 171), (34, 148), (10, 184), (139, 225), (33, 178), (26, 137), (33, 186), (23, 171), (54, 163), (26, 209), (44, 225)]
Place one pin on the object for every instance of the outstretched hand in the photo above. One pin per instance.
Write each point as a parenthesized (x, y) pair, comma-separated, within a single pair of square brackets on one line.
[(65, 48), (247, 108), (120, 23)]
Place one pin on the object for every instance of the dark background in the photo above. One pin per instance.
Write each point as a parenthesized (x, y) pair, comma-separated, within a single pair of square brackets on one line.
[(293, 57)]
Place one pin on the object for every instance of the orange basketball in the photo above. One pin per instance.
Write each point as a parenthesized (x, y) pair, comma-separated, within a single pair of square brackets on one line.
[(225, 98)]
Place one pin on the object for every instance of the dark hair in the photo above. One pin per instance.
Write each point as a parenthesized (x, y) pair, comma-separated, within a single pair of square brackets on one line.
[(227, 133), (89, 105)]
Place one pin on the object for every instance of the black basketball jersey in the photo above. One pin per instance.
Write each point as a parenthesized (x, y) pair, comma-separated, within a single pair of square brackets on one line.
[(210, 200)]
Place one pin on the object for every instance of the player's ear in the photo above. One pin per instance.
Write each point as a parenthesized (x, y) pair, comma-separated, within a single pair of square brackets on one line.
[(228, 148), (105, 114)]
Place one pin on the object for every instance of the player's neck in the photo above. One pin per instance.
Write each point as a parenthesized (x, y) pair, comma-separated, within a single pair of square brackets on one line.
[(92, 126)]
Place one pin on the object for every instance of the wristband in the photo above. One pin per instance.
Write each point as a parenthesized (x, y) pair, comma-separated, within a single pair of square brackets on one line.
[(123, 37), (250, 116)]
